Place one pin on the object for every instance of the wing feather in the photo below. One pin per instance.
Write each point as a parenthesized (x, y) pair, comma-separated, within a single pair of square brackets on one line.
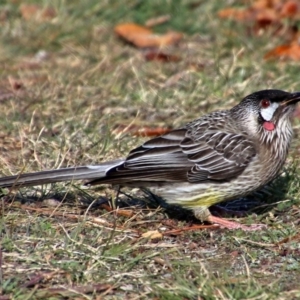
[(221, 155), (200, 152)]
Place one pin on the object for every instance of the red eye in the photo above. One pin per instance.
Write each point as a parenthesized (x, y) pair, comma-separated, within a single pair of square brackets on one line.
[(265, 103)]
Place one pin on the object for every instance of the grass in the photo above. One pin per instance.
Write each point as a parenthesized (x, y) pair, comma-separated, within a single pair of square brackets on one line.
[(66, 86)]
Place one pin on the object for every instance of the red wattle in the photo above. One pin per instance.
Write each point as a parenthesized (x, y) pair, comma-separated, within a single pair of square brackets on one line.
[(270, 126)]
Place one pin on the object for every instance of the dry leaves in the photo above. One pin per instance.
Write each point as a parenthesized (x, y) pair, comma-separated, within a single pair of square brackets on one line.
[(160, 56), (264, 12), (144, 37), (272, 14), (36, 12), (143, 131), (152, 235), (291, 51)]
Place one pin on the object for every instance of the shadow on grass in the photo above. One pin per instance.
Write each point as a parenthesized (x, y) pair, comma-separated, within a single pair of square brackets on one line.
[(259, 202)]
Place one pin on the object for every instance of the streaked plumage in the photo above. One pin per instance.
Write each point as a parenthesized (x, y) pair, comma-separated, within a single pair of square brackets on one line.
[(219, 157)]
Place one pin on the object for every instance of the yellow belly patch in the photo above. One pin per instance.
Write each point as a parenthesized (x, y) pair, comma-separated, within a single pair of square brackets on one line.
[(206, 199)]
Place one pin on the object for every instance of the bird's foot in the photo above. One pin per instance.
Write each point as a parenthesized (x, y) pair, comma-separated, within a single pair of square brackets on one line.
[(234, 225)]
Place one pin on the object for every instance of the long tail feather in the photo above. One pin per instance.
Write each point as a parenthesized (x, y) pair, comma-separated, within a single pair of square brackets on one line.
[(65, 174)]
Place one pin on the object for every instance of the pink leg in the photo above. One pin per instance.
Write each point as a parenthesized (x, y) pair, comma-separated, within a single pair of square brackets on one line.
[(234, 225)]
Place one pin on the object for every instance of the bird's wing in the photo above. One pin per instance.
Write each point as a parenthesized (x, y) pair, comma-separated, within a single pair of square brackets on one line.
[(210, 155), (217, 156), (159, 159)]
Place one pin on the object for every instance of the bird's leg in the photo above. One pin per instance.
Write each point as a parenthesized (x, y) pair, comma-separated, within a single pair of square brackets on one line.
[(204, 214), (234, 225), (115, 199)]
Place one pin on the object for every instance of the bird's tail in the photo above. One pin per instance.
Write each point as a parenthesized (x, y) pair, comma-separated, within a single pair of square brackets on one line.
[(65, 174)]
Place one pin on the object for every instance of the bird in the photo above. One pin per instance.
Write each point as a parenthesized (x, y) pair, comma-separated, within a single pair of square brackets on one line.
[(221, 156)]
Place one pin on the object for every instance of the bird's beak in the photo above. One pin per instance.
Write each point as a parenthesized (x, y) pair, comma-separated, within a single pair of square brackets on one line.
[(293, 98)]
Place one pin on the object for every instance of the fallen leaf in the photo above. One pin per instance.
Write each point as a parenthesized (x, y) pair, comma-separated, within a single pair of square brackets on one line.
[(145, 131), (262, 4), (127, 29), (119, 212), (160, 56), (149, 132), (291, 51), (264, 12), (266, 16), (290, 9), (152, 234), (235, 13), (37, 12), (143, 37)]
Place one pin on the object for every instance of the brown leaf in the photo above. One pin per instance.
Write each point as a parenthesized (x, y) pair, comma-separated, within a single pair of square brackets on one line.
[(291, 51), (235, 13), (266, 16), (150, 132), (143, 37), (37, 12), (160, 56), (264, 12), (290, 9), (128, 29), (152, 234), (144, 131), (262, 4), (119, 212)]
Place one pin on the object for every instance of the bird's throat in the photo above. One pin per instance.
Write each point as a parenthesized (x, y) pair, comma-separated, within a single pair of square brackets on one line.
[(270, 126)]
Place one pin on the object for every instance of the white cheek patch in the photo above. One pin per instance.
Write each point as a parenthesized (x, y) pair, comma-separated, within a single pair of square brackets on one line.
[(267, 113)]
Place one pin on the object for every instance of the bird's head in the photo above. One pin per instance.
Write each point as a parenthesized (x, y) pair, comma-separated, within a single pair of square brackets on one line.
[(266, 111)]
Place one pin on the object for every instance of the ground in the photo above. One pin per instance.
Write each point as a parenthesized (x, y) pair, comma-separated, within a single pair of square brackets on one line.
[(73, 93)]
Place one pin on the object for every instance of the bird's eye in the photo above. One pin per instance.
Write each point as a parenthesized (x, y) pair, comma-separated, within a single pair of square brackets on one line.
[(265, 103)]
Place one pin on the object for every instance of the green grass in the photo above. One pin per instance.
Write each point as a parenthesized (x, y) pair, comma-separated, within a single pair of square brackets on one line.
[(56, 240)]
